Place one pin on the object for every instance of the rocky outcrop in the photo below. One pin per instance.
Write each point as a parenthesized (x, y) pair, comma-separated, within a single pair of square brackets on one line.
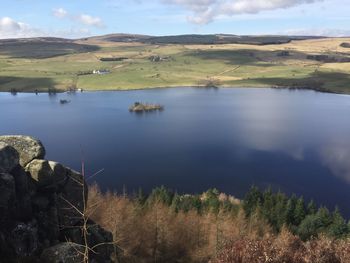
[(41, 206)]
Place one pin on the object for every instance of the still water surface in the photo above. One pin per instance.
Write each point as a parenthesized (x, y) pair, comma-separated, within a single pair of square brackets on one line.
[(296, 141)]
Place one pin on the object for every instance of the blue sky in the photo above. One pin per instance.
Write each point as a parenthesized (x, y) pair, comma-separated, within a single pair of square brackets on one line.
[(80, 18)]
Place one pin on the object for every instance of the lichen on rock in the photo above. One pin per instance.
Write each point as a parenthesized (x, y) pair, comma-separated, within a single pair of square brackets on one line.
[(28, 147)]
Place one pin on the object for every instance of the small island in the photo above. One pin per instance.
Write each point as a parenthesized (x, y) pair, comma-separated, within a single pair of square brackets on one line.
[(145, 107)]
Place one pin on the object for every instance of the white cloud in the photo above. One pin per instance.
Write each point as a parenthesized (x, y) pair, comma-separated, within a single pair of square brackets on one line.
[(10, 28), (85, 19), (205, 11), (90, 20), (60, 13)]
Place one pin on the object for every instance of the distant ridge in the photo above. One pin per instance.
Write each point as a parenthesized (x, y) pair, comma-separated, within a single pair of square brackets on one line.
[(120, 37), (202, 39), (36, 40), (172, 39)]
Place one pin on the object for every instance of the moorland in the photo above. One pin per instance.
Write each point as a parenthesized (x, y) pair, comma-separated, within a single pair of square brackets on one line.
[(124, 62)]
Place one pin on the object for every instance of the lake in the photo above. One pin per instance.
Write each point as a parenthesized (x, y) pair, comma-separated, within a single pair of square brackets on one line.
[(295, 141)]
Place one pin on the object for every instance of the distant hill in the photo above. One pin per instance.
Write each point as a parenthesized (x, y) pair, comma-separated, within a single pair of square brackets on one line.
[(176, 39), (224, 39), (119, 38), (201, 39)]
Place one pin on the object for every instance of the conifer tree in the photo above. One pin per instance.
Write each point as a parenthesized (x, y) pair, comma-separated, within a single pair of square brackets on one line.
[(311, 208), (299, 212), (268, 204), (309, 227), (338, 228), (290, 208), (252, 199), (325, 217), (279, 210)]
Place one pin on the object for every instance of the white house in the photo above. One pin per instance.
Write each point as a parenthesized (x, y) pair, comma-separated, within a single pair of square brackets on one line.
[(101, 71)]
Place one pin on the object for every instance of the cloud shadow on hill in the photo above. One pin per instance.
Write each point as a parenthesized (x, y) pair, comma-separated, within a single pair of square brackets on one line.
[(42, 50), (23, 84)]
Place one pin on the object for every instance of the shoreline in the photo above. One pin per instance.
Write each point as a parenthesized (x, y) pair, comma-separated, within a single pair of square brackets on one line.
[(305, 88)]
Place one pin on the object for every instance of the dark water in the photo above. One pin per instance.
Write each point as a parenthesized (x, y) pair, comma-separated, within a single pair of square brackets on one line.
[(296, 141)]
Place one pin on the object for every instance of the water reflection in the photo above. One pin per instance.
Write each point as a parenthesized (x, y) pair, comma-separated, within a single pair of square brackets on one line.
[(337, 157), (267, 123)]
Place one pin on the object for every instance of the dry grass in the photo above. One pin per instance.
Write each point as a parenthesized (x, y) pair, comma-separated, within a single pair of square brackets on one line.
[(285, 248)]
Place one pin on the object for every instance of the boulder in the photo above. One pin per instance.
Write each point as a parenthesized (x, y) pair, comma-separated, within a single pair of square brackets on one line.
[(41, 172), (28, 147), (60, 173), (52, 177), (9, 158), (63, 253)]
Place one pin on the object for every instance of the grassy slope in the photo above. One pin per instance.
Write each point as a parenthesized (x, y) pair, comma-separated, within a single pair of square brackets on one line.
[(232, 64)]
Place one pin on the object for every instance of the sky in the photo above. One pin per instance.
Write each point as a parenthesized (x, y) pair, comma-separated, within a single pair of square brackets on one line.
[(83, 18)]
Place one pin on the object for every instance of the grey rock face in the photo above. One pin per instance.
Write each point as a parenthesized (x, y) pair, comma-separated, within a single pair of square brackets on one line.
[(24, 240), (9, 158), (71, 193), (99, 236), (7, 199), (27, 147), (23, 194)]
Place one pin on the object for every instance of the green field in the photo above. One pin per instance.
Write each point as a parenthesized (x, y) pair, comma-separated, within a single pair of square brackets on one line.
[(40, 66)]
